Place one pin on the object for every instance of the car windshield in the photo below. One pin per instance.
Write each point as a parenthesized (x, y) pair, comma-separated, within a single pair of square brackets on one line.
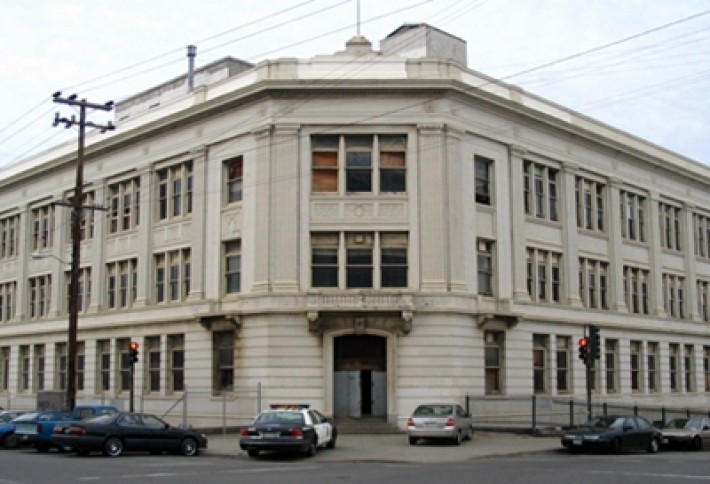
[(605, 422), (682, 423), (27, 417), (291, 418), (433, 411)]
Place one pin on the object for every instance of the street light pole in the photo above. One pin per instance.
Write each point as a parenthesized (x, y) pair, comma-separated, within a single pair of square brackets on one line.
[(76, 217)]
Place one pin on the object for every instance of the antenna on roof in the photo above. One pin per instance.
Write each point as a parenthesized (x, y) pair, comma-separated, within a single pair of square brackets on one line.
[(358, 17)]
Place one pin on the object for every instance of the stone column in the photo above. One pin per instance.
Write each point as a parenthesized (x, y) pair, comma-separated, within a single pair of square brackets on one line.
[(145, 237), (691, 276), (456, 210), (518, 225), (654, 255), (200, 207), (570, 262), (617, 300), (257, 248)]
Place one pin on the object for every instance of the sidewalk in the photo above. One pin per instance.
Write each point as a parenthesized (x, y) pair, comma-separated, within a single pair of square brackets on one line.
[(395, 447)]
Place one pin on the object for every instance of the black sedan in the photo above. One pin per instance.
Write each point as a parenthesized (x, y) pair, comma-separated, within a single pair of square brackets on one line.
[(112, 434), (615, 433)]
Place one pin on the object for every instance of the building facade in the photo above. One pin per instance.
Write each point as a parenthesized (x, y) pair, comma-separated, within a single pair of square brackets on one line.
[(359, 231)]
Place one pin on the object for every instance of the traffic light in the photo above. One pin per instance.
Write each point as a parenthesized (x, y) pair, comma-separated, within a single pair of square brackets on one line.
[(134, 352), (584, 349), (595, 345)]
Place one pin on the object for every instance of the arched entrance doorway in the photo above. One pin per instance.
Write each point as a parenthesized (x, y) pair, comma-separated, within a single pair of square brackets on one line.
[(360, 376)]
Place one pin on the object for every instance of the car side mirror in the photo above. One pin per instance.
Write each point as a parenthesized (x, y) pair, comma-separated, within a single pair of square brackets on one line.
[(627, 428)]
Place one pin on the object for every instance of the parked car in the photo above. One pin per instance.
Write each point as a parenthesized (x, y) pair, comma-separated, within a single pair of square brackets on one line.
[(36, 428), (8, 440), (439, 421), (615, 433), (692, 433), (284, 429), (115, 433)]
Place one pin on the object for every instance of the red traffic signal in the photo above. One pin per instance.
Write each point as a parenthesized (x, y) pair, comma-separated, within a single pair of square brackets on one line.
[(134, 351), (584, 349)]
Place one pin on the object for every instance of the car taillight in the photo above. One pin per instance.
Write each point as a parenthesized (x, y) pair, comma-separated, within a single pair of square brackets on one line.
[(298, 433), (451, 422), (58, 429), (410, 422), (245, 432), (76, 431)]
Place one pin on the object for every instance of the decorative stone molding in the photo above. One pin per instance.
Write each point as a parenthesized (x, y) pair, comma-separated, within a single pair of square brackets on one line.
[(497, 321), (218, 322)]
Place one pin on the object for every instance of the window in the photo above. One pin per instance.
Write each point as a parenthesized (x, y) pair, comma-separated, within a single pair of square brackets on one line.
[(222, 361), (652, 367), (674, 296), (635, 365), (38, 366), (539, 357), (42, 219), (701, 229), (5, 368), (324, 259), (688, 368), (103, 358), (544, 275), (233, 175), (40, 293), (636, 289), (176, 362), (60, 365), (86, 224), (393, 260), (84, 281), (669, 224), (593, 283), (358, 268), (172, 276), (8, 298), (123, 350), (563, 364), (589, 197), (233, 266), (80, 364), (706, 367), (122, 283), (124, 205), (152, 363), (633, 216), (9, 233), (494, 341), (175, 191), (703, 288), (674, 366), (483, 168), (540, 190), (370, 163), (23, 381), (610, 358), (484, 262)]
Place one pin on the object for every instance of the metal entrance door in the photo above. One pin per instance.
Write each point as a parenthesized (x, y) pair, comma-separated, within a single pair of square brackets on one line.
[(348, 397), (360, 376)]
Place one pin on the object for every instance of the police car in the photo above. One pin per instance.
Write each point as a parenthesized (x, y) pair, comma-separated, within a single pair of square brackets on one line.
[(288, 428)]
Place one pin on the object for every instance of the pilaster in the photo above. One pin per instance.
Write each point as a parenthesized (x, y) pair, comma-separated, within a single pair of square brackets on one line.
[(199, 157), (570, 262), (654, 250), (691, 275), (259, 246), (617, 300), (518, 235)]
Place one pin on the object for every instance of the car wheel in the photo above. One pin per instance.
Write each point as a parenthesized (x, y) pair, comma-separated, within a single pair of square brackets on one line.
[(331, 442), (10, 441), (615, 445), (696, 444), (469, 434), (42, 447), (459, 438), (189, 447), (312, 448), (413, 440), (653, 446), (253, 452), (113, 447)]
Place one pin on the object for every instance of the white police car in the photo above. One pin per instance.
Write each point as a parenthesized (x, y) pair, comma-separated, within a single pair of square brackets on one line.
[(288, 428)]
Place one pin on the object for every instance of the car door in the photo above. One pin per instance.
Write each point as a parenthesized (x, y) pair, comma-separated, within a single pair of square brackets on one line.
[(321, 426)]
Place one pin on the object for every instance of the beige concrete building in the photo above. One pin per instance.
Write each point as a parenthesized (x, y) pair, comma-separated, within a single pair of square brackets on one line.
[(360, 231)]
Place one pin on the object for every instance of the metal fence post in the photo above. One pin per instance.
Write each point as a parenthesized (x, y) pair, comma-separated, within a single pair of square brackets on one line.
[(571, 413), (184, 408), (534, 414), (604, 408), (663, 415), (258, 397), (636, 410), (224, 412)]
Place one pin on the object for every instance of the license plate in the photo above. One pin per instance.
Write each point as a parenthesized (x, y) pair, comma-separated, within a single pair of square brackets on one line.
[(577, 442), (665, 441), (430, 424), (271, 435)]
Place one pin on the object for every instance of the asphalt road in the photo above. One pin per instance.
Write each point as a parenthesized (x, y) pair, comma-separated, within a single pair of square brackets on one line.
[(29, 467)]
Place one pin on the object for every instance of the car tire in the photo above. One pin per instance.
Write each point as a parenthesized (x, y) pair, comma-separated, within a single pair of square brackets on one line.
[(9, 441), (253, 452), (413, 440), (189, 447), (42, 447), (459, 438), (312, 448), (113, 447), (331, 442), (653, 446), (615, 445), (696, 444)]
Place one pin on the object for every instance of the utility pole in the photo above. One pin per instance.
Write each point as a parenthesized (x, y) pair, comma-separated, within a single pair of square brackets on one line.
[(76, 218)]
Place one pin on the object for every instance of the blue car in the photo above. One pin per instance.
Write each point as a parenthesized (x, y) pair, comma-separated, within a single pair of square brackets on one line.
[(7, 428)]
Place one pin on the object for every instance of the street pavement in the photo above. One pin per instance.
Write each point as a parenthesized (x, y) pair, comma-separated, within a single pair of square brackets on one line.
[(396, 448)]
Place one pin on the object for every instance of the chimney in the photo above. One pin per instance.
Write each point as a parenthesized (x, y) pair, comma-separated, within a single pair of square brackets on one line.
[(191, 52)]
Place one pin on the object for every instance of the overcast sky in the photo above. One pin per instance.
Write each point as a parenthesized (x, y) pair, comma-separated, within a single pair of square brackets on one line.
[(655, 85)]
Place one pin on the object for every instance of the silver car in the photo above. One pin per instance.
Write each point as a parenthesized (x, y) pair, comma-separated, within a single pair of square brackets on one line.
[(439, 421), (686, 433)]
